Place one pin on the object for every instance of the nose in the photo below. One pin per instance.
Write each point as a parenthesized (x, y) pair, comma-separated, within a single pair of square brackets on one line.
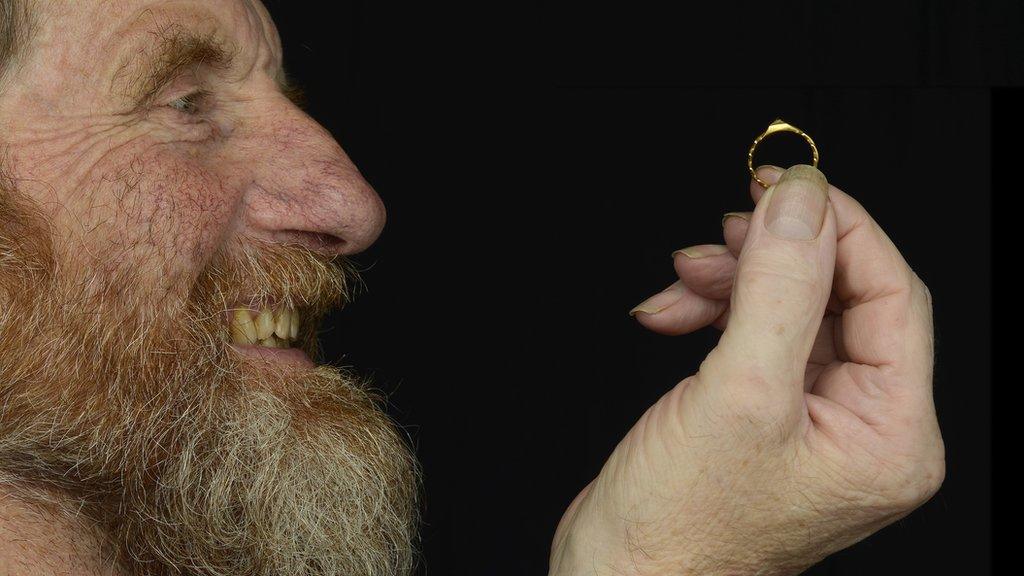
[(303, 189)]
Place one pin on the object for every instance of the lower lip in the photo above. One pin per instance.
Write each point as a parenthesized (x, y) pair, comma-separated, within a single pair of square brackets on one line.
[(288, 356)]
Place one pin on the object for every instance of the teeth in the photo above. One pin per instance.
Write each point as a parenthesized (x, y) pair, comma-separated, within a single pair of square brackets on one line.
[(243, 331), (264, 324), (267, 329), (283, 325), (293, 329)]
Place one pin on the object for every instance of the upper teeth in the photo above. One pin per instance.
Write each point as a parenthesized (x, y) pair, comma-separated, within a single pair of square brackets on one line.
[(274, 329)]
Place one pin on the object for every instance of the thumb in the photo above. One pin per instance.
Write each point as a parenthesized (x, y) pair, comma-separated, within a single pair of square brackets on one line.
[(783, 281)]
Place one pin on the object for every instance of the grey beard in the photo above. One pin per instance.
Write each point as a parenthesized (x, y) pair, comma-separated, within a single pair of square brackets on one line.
[(188, 460)]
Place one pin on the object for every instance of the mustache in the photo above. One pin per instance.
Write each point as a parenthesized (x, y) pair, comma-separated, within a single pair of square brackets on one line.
[(122, 403), (258, 274), (118, 313), (245, 271)]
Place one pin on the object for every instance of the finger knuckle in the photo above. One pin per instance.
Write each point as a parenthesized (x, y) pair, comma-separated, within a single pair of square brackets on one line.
[(922, 288), (905, 483), (916, 484), (930, 471), (752, 403), (778, 277), (747, 397)]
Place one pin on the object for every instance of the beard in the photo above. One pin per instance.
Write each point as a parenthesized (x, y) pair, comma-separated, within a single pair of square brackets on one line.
[(126, 400)]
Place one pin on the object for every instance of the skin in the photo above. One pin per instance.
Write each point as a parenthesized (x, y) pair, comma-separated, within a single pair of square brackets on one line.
[(811, 429), (38, 542), (252, 165), (159, 192), (810, 425)]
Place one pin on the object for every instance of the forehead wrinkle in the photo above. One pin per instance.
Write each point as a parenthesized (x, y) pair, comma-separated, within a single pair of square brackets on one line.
[(150, 54), (174, 53), (159, 38)]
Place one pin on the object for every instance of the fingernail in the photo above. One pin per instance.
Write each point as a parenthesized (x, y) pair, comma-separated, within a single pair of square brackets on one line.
[(702, 251), (768, 172), (798, 202), (741, 215), (661, 300)]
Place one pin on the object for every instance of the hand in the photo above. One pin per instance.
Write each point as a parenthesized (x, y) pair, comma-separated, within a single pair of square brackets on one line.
[(808, 427)]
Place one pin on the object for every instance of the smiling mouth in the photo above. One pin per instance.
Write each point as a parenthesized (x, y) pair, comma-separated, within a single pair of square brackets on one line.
[(267, 328), (268, 334)]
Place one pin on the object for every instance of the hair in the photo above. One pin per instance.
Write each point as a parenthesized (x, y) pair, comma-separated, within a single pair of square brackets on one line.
[(15, 28), (172, 455)]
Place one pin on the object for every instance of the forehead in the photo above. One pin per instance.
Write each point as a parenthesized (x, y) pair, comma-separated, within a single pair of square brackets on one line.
[(127, 28)]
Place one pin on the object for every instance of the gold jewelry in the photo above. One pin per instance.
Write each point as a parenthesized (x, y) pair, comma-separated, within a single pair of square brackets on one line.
[(778, 126)]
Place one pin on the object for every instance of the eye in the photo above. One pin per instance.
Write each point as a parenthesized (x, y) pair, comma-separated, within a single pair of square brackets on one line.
[(188, 104)]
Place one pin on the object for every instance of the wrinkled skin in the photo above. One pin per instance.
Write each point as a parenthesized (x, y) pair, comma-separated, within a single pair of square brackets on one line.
[(128, 229), (766, 460), (250, 164), (808, 427)]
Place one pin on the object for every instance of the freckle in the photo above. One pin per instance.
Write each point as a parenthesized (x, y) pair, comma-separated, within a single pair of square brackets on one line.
[(779, 330)]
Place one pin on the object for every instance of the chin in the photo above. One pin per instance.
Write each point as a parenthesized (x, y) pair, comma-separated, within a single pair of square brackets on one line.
[(268, 482), (195, 445)]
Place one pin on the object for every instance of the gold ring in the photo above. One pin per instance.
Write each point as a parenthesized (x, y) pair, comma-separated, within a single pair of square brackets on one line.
[(778, 126)]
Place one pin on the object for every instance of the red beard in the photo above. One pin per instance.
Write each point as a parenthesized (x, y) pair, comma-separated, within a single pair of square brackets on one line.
[(190, 458)]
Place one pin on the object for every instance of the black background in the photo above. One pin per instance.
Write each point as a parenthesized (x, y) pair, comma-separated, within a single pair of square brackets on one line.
[(540, 165)]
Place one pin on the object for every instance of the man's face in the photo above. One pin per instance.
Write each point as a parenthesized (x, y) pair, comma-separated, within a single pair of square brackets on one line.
[(160, 130), (170, 229)]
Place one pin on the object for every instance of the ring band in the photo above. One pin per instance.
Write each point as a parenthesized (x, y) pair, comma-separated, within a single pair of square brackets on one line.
[(778, 126)]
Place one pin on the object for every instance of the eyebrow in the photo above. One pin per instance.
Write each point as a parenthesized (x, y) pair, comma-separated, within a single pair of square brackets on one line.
[(145, 74)]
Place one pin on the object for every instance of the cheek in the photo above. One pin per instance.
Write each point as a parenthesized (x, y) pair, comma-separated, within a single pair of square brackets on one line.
[(158, 217)]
